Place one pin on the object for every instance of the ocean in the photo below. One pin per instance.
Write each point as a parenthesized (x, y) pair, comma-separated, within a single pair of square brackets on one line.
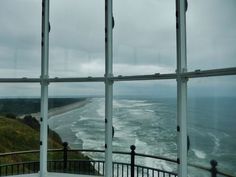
[(150, 125)]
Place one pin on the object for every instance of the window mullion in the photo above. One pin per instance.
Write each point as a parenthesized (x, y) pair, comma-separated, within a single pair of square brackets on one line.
[(44, 88), (181, 7)]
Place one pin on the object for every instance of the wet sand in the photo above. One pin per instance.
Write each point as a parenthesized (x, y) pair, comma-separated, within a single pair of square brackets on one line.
[(62, 109)]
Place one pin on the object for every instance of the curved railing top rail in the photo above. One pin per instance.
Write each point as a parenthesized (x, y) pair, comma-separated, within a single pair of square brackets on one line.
[(19, 152), (116, 152), (157, 157), (209, 169), (28, 152), (128, 153), (89, 150)]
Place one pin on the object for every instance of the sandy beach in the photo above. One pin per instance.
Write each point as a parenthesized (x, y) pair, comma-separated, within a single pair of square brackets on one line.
[(62, 109)]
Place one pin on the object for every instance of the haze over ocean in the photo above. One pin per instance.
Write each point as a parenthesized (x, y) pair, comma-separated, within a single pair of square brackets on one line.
[(150, 124)]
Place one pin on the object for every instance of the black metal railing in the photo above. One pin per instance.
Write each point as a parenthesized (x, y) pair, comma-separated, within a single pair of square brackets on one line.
[(95, 167)]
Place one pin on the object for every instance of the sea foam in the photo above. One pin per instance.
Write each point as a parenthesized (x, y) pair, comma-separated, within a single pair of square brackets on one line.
[(199, 154)]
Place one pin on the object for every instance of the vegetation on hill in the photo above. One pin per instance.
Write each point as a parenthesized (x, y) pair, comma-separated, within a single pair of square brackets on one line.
[(23, 135), (15, 135)]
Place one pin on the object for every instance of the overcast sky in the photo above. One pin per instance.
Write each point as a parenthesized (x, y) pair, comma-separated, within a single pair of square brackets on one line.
[(144, 43)]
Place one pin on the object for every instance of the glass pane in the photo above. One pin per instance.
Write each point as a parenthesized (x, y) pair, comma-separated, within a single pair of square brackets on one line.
[(211, 39), (145, 116), (211, 123), (19, 129), (76, 116), (20, 38), (144, 37), (77, 38)]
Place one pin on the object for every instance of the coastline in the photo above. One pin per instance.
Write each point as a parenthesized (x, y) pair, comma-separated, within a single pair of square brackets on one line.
[(60, 110)]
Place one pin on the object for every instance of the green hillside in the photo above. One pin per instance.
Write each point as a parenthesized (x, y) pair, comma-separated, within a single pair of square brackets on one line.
[(17, 136), (23, 135)]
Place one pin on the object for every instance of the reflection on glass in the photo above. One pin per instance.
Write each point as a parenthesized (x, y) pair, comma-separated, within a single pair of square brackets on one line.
[(20, 48), (211, 123), (76, 116), (211, 39), (77, 38), (144, 37), (146, 120)]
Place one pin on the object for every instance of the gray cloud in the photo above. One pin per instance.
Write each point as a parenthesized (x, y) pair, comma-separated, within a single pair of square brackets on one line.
[(20, 35), (144, 40), (78, 25), (147, 30), (211, 34), (20, 90), (20, 24)]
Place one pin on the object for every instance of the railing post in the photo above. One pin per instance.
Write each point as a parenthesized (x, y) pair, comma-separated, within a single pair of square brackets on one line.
[(65, 145), (213, 168), (132, 163)]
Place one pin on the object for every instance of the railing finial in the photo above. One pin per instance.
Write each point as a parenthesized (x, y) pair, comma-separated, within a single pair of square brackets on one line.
[(132, 147), (213, 168), (65, 144)]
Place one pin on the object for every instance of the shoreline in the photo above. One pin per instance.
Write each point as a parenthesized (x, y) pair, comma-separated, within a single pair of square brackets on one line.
[(60, 110)]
